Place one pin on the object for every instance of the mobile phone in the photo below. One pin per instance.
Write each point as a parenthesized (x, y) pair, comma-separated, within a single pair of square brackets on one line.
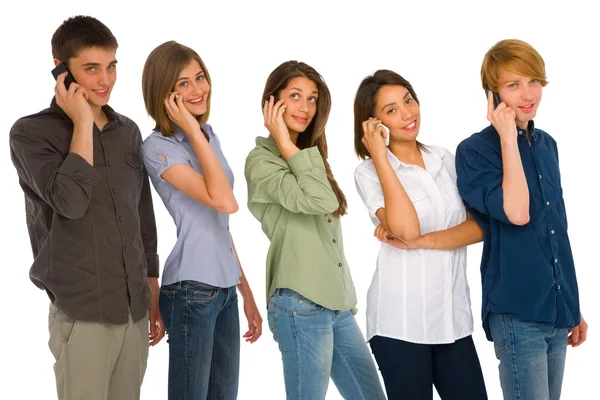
[(496, 96), (387, 131), (59, 69)]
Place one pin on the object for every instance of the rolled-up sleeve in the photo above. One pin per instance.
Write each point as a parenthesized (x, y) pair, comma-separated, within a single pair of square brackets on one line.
[(370, 191), (65, 183), (300, 186), (160, 153), (479, 180)]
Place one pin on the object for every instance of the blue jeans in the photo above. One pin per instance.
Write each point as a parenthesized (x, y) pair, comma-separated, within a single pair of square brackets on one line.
[(317, 343), (203, 329), (532, 357)]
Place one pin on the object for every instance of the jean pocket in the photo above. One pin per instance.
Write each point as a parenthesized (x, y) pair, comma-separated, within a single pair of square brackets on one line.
[(166, 306), (294, 303), (497, 324), (272, 320), (200, 293)]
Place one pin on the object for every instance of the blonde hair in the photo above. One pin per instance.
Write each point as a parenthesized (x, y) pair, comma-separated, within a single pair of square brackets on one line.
[(515, 56), (161, 72)]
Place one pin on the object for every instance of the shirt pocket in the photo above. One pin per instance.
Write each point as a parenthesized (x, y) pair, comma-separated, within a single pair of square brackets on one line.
[(134, 171), (421, 203)]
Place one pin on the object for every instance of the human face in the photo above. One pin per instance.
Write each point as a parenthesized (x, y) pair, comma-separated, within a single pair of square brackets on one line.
[(95, 70), (300, 97), (521, 93), (397, 110), (193, 88)]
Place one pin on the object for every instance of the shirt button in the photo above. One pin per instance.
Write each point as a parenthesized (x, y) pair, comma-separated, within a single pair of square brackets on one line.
[(558, 287), (552, 231), (230, 249), (333, 240), (540, 176), (556, 260), (125, 247), (547, 203), (109, 164), (340, 264), (114, 191), (102, 136), (329, 220), (120, 219)]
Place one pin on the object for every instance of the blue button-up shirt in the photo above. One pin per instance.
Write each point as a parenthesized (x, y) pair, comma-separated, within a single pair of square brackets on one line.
[(527, 271), (204, 249)]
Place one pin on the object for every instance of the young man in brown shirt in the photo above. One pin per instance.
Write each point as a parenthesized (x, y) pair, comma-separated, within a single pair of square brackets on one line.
[(91, 222)]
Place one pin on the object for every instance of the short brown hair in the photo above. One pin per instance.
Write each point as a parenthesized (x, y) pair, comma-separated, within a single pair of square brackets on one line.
[(161, 71), (314, 135), (515, 56), (81, 32), (366, 98)]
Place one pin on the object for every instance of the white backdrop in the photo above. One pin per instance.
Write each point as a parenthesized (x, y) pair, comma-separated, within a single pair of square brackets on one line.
[(437, 46)]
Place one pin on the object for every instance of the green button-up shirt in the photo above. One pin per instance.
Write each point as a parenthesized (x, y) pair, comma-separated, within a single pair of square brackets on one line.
[(294, 202)]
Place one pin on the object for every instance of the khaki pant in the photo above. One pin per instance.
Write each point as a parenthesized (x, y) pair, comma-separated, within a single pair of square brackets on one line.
[(97, 361)]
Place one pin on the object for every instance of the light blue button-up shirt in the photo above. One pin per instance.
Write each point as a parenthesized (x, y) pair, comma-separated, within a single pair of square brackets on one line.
[(204, 250)]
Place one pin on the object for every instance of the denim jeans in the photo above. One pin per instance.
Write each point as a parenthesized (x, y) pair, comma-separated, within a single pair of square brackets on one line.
[(410, 370), (203, 329), (317, 343), (532, 357)]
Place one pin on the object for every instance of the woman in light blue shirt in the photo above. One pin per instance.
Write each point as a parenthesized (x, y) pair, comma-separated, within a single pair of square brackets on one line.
[(198, 299)]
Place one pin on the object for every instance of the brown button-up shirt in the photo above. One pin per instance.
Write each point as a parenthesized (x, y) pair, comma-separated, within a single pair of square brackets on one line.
[(92, 228)]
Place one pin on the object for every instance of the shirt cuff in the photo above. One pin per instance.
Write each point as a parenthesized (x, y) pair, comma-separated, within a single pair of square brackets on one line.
[(152, 265), (77, 168), (495, 205), (306, 159)]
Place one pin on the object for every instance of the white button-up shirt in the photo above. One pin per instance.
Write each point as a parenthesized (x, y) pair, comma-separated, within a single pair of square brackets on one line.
[(419, 296)]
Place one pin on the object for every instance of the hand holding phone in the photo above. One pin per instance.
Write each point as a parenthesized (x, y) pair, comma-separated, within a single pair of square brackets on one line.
[(59, 69), (73, 102), (273, 110), (386, 129), (502, 118)]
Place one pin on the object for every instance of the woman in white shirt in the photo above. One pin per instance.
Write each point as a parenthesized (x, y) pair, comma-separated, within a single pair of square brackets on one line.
[(419, 320)]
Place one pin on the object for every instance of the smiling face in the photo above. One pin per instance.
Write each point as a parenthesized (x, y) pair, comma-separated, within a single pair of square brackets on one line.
[(521, 93), (300, 97), (399, 111), (193, 88), (94, 69)]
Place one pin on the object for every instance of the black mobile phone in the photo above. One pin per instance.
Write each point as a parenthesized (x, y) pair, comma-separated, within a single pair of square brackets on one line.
[(59, 69), (496, 96)]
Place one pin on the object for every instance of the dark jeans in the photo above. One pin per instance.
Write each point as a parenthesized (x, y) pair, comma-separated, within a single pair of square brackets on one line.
[(203, 331), (410, 370)]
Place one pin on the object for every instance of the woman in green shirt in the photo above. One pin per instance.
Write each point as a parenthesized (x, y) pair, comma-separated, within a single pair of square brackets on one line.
[(310, 293)]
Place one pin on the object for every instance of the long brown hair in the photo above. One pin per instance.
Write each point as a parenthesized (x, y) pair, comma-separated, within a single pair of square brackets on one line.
[(314, 135), (161, 71), (366, 98)]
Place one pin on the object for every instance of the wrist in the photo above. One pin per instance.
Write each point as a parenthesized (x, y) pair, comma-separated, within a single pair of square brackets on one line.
[(430, 241), (84, 122), (194, 133)]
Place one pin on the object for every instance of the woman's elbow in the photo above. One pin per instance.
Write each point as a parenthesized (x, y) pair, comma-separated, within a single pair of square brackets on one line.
[(406, 234), (229, 207)]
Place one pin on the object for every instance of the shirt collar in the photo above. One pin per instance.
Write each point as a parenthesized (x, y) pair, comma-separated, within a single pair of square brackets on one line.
[(531, 128), (432, 157), (181, 136)]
